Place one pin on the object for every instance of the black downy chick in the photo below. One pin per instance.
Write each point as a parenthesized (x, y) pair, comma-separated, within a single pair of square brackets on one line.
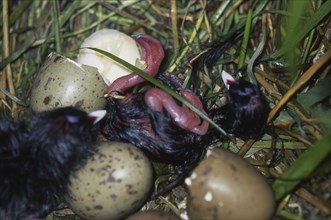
[(246, 111), (37, 159)]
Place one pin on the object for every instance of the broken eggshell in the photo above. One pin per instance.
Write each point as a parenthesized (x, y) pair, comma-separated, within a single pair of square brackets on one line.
[(62, 82), (224, 186), (115, 42), (115, 182)]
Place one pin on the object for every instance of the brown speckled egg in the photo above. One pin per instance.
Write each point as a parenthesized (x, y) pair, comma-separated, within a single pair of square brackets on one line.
[(224, 186), (62, 82), (153, 215), (115, 182)]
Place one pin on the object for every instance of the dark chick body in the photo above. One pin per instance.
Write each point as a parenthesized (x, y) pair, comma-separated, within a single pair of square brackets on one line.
[(246, 111), (36, 160), (155, 133)]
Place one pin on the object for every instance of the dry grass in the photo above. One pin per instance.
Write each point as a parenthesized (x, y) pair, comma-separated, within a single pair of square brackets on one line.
[(285, 46)]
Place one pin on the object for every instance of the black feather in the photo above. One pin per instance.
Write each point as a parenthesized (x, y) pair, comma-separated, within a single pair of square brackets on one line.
[(210, 54), (37, 158), (245, 113)]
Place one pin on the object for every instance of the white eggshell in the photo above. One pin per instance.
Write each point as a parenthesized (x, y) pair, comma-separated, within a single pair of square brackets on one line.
[(112, 41)]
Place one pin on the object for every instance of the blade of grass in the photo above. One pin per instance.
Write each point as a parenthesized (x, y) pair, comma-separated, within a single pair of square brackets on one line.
[(174, 28), (302, 167), (289, 215), (186, 49), (18, 53), (244, 44), (159, 84), (70, 10), (3, 75), (6, 52), (260, 5), (298, 85), (13, 98), (17, 11), (216, 16), (256, 54), (305, 29), (134, 18), (56, 27), (296, 9)]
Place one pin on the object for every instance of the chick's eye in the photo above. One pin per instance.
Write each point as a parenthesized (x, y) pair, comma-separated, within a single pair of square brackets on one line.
[(246, 91), (72, 119)]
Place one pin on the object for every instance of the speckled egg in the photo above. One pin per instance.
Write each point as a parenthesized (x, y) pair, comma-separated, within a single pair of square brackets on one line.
[(115, 182), (153, 215), (224, 186), (63, 82)]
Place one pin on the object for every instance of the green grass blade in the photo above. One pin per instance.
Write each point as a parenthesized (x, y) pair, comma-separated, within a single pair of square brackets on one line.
[(56, 27), (15, 55), (186, 49), (13, 98), (305, 29), (244, 45), (303, 167)]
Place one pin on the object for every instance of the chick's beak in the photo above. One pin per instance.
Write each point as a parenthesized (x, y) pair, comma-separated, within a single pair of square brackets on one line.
[(228, 79), (97, 115)]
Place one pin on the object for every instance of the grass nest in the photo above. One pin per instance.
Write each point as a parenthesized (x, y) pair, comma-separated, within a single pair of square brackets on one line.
[(283, 45)]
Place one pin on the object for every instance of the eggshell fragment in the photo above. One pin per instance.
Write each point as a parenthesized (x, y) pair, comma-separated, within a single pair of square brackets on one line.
[(62, 82), (115, 182), (115, 42), (227, 187)]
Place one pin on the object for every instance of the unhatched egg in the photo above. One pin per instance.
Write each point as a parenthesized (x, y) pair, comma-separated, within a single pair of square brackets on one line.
[(115, 182), (224, 186)]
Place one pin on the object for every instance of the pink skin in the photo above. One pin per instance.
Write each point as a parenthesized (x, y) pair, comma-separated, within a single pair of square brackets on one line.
[(157, 99), (152, 53)]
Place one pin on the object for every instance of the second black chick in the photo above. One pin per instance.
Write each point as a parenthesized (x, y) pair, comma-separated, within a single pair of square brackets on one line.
[(38, 157), (246, 110)]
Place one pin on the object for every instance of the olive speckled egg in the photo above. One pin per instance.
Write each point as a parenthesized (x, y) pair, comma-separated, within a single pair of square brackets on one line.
[(224, 186), (63, 82), (115, 182)]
